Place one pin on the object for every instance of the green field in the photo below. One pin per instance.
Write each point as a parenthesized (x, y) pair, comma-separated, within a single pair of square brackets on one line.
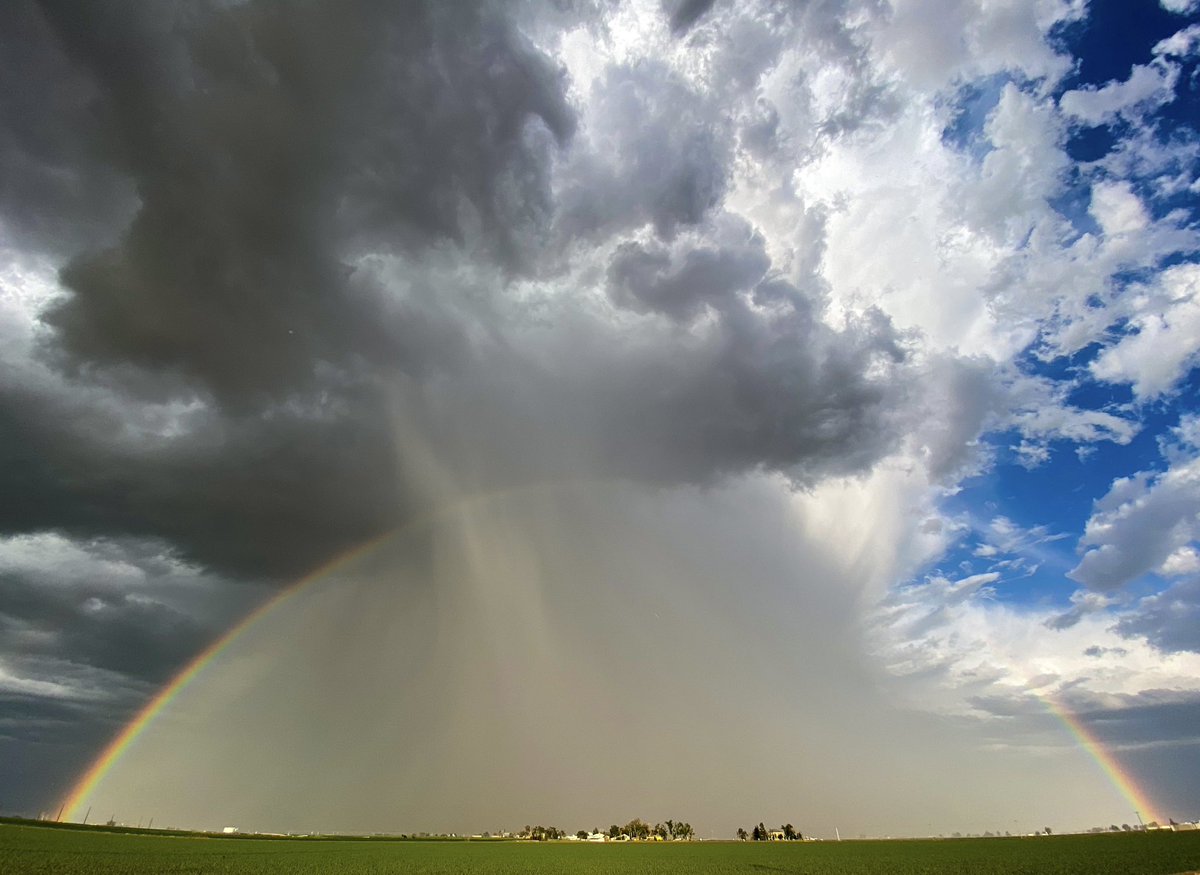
[(33, 850)]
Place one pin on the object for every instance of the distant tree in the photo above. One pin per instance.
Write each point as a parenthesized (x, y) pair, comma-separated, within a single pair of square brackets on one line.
[(671, 828), (762, 832), (742, 834), (1126, 827), (1114, 828), (637, 829), (685, 831), (789, 832), (1047, 830), (614, 831), (582, 834)]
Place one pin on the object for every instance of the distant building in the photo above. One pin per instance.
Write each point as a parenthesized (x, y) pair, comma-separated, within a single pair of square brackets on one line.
[(597, 837), (776, 835), (230, 830)]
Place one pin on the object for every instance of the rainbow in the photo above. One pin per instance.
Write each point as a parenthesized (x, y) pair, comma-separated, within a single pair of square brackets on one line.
[(1120, 778), (73, 803), (129, 734), (100, 766)]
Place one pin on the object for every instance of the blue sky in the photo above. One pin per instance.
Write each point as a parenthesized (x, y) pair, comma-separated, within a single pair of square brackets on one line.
[(1056, 496)]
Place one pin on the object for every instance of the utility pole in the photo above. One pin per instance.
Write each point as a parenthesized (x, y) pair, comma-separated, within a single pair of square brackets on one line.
[(89, 811), (60, 811), (836, 833), (1139, 817)]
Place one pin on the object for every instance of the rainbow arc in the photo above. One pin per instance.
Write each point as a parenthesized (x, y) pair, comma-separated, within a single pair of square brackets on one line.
[(83, 788)]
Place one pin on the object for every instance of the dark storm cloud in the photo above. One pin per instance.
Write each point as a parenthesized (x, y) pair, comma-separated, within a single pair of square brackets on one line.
[(646, 280), (266, 145), (754, 387), (292, 242), (95, 624), (58, 187), (267, 141), (48, 739), (684, 13), (269, 149), (259, 495), (1147, 718)]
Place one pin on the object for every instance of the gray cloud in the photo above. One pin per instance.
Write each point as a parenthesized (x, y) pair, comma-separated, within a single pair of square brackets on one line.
[(655, 151), (1169, 619), (682, 14), (95, 623), (267, 171), (59, 187), (1160, 718), (260, 495), (1137, 526), (260, 162), (647, 280)]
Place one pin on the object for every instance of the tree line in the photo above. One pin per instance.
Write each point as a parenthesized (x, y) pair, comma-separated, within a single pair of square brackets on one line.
[(761, 834), (541, 833), (638, 829), (670, 830)]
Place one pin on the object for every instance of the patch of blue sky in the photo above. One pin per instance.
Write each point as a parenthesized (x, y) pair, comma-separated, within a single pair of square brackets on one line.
[(1032, 572), (1180, 157), (1044, 510), (1182, 112), (973, 104), (1091, 143), (1021, 524), (1074, 202), (1115, 35), (1026, 523)]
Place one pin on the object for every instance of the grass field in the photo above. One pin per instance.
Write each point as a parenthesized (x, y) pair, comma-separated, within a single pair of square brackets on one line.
[(31, 850)]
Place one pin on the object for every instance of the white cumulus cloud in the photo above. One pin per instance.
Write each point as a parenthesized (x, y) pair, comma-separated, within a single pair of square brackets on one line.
[(1148, 87), (1164, 343)]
